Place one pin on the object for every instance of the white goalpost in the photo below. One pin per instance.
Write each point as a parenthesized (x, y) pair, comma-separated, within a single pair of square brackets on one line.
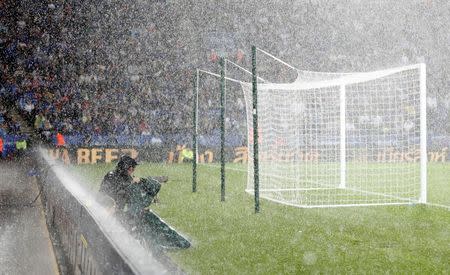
[(340, 139)]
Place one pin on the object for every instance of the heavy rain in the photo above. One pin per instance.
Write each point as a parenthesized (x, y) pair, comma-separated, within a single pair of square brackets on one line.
[(224, 137)]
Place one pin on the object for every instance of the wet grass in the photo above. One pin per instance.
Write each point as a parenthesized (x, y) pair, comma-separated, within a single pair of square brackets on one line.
[(229, 238)]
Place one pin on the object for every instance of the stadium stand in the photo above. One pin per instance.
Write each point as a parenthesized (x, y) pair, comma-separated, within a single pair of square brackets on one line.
[(70, 69)]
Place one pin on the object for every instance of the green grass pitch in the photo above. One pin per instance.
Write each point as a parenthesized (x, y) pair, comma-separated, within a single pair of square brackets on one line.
[(229, 238)]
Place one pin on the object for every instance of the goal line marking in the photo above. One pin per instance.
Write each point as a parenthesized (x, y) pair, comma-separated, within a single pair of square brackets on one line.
[(406, 200)]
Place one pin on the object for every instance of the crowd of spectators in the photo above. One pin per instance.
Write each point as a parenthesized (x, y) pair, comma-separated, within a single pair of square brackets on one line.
[(54, 89), (125, 68), (9, 125), (331, 36)]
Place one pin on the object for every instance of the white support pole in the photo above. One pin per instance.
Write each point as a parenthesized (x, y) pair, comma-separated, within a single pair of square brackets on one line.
[(218, 76), (277, 59), (423, 134), (243, 69), (342, 137)]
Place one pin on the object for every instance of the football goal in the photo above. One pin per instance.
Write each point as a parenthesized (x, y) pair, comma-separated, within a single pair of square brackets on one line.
[(326, 139), (338, 139)]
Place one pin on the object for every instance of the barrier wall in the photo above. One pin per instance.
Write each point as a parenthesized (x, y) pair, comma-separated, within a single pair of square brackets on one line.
[(91, 240)]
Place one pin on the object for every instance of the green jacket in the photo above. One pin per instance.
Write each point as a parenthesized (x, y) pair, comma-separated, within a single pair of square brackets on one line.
[(141, 195), (150, 226)]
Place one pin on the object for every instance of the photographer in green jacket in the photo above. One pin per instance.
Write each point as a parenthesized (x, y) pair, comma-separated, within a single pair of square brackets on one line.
[(132, 197)]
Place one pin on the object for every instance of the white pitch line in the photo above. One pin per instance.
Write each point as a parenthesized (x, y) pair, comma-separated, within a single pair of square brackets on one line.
[(428, 203), (438, 205)]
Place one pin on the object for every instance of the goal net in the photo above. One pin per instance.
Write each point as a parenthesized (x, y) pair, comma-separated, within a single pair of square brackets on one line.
[(349, 139)]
